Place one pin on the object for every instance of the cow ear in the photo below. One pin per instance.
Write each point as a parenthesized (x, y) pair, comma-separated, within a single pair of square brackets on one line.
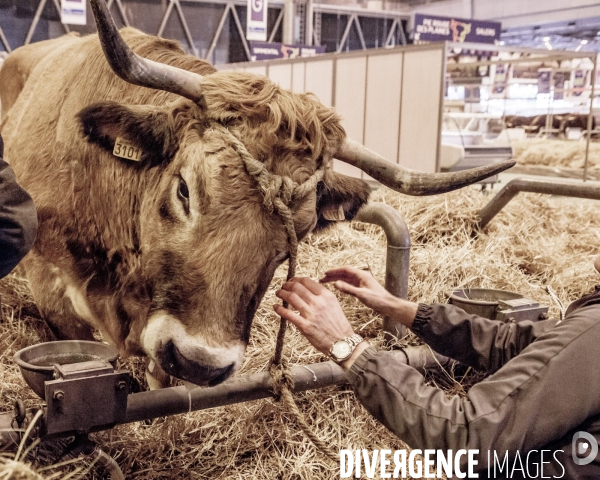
[(339, 198), (145, 127)]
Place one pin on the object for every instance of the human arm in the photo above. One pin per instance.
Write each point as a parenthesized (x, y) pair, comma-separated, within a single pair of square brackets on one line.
[(18, 219), (536, 398), (475, 341)]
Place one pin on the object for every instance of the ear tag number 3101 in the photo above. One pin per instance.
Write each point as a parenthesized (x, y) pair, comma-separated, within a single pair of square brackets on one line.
[(124, 149)]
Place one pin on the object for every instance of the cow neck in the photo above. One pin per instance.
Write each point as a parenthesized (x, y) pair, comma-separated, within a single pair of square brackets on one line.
[(278, 192)]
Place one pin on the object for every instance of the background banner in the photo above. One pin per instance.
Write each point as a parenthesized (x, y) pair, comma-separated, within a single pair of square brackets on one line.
[(430, 28)]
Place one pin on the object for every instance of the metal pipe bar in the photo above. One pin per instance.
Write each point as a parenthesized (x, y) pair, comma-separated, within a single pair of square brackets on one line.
[(34, 22), (215, 39), (4, 41), (238, 24), (388, 40), (121, 10), (397, 257), (58, 10), (423, 357), (276, 26), (589, 121), (165, 19), (512, 188), (403, 34), (186, 29), (360, 33), (346, 32), (176, 400)]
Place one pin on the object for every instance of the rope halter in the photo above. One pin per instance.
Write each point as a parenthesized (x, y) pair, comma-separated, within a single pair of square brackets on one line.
[(278, 192)]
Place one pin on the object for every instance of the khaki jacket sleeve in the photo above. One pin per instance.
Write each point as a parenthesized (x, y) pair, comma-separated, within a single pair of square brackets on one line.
[(475, 341), (535, 398)]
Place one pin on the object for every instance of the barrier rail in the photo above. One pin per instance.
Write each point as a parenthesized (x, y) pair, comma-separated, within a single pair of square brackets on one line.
[(512, 188)]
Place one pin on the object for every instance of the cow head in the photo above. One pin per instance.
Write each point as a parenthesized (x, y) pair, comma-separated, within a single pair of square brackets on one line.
[(209, 247)]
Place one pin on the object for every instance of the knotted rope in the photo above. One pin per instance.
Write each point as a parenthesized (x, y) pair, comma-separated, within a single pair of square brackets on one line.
[(278, 192)]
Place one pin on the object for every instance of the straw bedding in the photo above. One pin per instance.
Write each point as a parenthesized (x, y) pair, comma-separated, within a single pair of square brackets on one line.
[(535, 241), (556, 153)]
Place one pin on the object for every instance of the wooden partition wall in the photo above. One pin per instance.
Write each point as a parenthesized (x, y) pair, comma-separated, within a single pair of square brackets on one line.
[(389, 99)]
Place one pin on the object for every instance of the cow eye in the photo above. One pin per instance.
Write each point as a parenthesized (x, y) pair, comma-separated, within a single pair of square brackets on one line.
[(183, 191)]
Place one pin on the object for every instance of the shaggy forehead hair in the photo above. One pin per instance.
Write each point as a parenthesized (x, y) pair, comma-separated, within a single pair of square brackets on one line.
[(276, 119), (273, 122)]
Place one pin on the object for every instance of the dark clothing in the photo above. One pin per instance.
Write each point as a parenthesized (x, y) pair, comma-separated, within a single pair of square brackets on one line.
[(544, 387), (18, 219)]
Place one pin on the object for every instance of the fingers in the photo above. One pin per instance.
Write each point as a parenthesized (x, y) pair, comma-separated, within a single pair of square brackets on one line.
[(293, 299), (345, 287), (348, 274), (291, 316), (301, 292), (309, 284)]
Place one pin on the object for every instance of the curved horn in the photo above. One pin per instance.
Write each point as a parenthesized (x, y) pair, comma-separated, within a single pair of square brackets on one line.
[(137, 70), (408, 181)]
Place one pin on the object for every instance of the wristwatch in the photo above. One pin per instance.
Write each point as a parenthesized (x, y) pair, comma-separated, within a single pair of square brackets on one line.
[(342, 349)]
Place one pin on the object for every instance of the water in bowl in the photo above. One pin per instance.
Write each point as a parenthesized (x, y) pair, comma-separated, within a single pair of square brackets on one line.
[(63, 359)]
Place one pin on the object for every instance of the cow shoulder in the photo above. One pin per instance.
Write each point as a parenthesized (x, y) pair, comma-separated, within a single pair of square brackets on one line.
[(339, 196), (18, 66)]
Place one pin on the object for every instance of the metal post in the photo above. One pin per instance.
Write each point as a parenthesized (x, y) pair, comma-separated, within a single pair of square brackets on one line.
[(590, 117), (517, 185), (4, 41), (289, 13), (310, 16), (398, 254)]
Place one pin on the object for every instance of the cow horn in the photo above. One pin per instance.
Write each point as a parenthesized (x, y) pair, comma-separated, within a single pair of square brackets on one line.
[(137, 70), (408, 181)]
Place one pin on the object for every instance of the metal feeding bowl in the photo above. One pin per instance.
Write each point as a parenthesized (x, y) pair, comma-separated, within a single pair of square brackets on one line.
[(37, 361), (498, 304)]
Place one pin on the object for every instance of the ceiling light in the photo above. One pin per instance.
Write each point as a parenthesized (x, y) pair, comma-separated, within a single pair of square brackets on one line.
[(583, 42)]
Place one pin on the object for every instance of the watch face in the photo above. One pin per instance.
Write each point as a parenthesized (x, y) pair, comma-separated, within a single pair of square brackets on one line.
[(341, 349)]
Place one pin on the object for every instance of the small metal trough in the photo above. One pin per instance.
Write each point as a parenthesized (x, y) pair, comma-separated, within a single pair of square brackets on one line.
[(498, 305)]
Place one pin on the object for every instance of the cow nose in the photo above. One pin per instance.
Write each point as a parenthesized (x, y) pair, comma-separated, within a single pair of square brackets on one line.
[(176, 364)]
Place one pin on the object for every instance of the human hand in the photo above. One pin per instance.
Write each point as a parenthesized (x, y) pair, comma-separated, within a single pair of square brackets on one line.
[(362, 285), (320, 317)]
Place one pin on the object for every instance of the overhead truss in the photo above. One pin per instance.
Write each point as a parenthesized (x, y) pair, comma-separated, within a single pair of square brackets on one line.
[(354, 15), (311, 22)]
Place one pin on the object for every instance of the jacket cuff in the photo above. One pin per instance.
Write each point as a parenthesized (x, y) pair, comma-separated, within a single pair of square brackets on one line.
[(422, 319), (360, 364)]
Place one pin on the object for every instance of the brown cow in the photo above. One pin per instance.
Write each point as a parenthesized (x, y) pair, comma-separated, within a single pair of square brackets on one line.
[(169, 256)]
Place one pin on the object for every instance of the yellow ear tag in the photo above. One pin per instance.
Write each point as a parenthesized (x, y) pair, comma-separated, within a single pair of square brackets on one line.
[(334, 214), (126, 150)]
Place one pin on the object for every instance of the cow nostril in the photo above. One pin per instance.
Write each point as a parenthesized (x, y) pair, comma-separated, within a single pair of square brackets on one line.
[(176, 364), (221, 374)]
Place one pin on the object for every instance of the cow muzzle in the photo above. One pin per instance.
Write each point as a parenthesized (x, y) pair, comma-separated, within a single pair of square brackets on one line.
[(189, 357), (178, 365)]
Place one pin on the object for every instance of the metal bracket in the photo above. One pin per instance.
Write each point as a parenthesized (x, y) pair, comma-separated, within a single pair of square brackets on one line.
[(88, 396)]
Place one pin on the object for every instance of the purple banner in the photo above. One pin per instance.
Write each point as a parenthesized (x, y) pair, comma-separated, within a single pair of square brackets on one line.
[(430, 28), (257, 7), (270, 51), (256, 26)]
